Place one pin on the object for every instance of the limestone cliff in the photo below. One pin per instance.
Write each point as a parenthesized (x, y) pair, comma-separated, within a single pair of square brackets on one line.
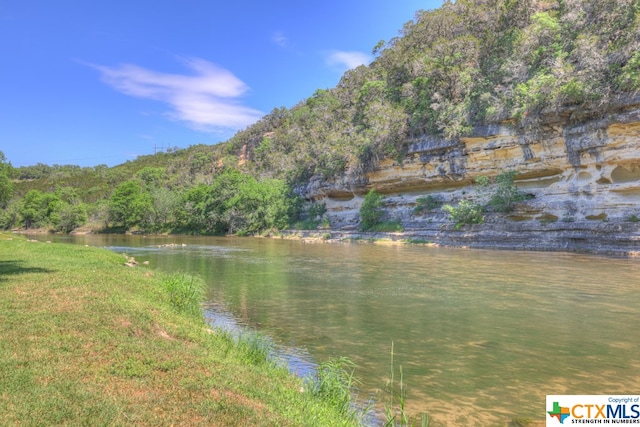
[(583, 183)]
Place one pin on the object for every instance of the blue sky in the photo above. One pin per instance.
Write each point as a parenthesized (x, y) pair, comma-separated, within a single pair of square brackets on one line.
[(102, 82)]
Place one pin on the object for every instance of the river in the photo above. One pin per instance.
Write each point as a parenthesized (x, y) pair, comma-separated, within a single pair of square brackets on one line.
[(481, 336)]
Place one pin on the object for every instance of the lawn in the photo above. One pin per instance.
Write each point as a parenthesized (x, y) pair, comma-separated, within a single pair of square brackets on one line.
[(86, 340)]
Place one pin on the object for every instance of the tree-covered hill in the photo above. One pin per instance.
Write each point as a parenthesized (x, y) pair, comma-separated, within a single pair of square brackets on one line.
[(466, 64)]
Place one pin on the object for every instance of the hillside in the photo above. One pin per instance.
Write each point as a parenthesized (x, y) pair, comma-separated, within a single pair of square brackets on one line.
[(547, 90), (466, 65)]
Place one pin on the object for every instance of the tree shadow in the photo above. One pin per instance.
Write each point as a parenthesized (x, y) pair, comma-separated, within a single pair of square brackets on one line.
[(12, 267)]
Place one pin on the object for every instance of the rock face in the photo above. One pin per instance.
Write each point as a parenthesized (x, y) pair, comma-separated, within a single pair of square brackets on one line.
[(583, 183)]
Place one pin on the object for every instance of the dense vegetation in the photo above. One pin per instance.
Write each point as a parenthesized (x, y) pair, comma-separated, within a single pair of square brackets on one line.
[(467, 64), (231, 202)]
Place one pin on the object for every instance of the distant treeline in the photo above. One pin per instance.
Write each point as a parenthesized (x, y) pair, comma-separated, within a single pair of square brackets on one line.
[(232, 202)]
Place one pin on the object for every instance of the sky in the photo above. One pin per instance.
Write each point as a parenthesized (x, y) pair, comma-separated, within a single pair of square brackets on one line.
[(105, 81)]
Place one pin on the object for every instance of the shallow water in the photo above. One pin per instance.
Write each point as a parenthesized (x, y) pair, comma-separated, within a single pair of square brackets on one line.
[(482, 336)]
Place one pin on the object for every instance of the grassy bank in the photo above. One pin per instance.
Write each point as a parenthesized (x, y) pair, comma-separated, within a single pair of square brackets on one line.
[(85, 340)]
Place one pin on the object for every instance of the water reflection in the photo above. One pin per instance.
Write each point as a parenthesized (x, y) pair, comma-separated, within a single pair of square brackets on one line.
[(482, 336)]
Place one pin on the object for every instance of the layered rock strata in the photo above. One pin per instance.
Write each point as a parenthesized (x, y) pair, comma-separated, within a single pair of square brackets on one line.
[(582, 182)]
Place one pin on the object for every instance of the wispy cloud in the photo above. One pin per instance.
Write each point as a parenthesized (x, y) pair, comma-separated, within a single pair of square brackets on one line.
[(346, 60), (280, 39), (207, 100)]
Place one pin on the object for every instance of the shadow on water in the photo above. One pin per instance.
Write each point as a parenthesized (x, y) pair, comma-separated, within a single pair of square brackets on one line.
[(13, 267), (297, 360)]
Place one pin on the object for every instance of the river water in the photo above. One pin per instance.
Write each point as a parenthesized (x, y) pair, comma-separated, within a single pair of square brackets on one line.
[(481, 336)]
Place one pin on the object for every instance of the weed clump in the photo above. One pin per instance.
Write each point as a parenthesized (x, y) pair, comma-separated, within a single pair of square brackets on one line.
[(185, 293), (333, 382)]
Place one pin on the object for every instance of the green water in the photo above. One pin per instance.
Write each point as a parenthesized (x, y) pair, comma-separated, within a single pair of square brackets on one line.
[(482, 336)]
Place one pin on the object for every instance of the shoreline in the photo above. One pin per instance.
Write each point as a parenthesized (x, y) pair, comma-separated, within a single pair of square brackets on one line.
[(88, 340), (611, 239)]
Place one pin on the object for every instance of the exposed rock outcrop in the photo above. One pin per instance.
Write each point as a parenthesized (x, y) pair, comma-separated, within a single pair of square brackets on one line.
[(583, 181)]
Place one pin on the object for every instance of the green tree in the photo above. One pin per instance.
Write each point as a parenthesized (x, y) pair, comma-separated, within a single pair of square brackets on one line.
[(237, 202), (371, 210), (164, 203), (151, 176), (259, 205), (66, 216), (37, 207), (6, 185), (67, 211), (129, 204), (193, 213), (10, 215)]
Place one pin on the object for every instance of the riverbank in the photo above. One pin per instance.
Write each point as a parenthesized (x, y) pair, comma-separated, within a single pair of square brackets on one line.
[(85, 340), (619, 239)]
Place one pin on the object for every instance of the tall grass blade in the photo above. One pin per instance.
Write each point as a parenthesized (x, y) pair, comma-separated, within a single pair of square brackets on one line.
[(185, 293)]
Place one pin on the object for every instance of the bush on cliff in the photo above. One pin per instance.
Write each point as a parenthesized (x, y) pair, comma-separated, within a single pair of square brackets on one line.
[(371, 210), (466, 212)]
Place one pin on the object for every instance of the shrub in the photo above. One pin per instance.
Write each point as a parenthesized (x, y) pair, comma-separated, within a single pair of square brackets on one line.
[(316, 210), (185, 293), (507, 194), (425, 204), (371, 210), (466, 212)]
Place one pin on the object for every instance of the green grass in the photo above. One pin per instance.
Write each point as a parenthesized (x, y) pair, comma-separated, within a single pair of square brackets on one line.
[(85, 340), (396, 412), (333, 381), (387, 226), (185, 293)]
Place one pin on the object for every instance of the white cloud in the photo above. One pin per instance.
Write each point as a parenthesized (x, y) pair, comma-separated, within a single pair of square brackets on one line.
[(206, 100), (280, 39), (347, 60)]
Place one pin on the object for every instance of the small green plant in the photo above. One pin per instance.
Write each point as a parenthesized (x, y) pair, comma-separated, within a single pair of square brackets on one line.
[(482, 181), (185, 293), (333, 382), (427, 203), (507, 193), (467, 212), (396, 413), (257, 348), (633, 218), (316, 210), (314, 213), (371, 210)]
